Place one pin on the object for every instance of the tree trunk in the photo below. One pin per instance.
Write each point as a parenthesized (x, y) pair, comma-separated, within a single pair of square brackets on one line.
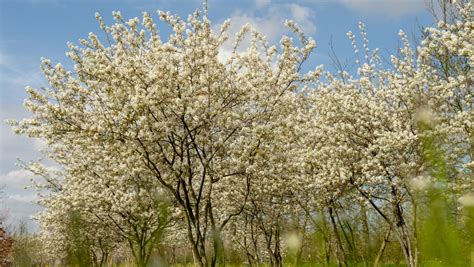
[(405, 243), (365, 223), (402, 232), (218, 247), (196, 245), (382, 248), (340, 254), (277, 252)]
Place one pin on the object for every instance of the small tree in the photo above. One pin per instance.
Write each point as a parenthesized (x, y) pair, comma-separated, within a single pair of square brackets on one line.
[(6, 245)]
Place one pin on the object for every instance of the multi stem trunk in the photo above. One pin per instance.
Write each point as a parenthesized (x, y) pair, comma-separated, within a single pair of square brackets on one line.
[(254, 238), (197, 241), (403, 236), (349, 239), (340, 253), (325, 233), (400, 228), (273, 249), (277, 250), (189, 198), (272, 242), (251, 257), (139, 251), (104, 259)]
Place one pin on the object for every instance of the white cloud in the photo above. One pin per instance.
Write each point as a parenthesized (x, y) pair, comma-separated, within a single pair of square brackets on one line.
[(270, 23), (25, 198), (18, 204), (20, 209), (303, 16), (262, 3), (16, 179), (385, 8)]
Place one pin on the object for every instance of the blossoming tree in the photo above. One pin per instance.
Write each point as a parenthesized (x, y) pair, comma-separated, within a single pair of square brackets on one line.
[(242, 141)]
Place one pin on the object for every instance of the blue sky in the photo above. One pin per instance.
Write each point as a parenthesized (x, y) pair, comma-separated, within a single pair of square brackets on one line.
[(31, 29)]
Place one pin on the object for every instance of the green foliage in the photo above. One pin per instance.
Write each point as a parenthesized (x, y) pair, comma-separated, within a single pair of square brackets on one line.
[(442, 242), (21, 246), (79, 247)]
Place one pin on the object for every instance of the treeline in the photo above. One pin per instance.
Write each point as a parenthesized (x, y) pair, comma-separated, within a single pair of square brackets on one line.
[(188, 150)]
